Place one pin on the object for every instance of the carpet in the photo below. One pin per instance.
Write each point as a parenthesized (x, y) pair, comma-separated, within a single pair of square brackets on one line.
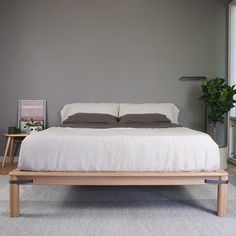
[(113, 211)]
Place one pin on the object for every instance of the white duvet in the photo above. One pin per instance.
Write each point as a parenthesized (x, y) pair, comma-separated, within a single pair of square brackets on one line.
[(119, 149)]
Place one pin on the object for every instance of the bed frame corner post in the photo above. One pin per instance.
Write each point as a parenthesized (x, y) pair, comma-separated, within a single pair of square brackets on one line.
[(14, 198), (222, 197)]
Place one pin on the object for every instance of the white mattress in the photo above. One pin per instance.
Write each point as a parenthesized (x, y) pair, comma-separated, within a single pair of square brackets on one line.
[(119, 149)]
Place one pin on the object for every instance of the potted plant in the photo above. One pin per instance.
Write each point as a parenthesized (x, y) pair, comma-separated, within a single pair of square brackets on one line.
[(33, 126), (219, 99)]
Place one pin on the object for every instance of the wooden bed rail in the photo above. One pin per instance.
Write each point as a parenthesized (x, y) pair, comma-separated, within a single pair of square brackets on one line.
[(18, 177)]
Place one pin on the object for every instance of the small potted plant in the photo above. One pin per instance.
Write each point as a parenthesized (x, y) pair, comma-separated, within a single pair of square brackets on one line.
[(33, 126), (219, 99)]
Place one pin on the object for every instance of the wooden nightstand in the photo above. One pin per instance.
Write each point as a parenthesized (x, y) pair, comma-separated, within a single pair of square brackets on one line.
[(11, 139)]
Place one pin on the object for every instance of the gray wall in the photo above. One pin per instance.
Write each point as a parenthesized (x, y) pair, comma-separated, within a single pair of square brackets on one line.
[(109, 51)]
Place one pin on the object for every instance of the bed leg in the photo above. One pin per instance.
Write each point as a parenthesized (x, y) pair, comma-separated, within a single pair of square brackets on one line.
[(222, 197), (14, 197)]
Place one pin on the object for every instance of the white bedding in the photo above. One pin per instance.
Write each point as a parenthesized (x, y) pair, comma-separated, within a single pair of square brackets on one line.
[(119, 149)]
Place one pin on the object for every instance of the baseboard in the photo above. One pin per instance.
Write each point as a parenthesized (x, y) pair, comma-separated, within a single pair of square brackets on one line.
[(232, 161)]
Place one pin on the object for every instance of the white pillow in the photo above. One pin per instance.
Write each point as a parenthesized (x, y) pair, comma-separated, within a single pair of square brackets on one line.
[(168, 109), (102, 108)]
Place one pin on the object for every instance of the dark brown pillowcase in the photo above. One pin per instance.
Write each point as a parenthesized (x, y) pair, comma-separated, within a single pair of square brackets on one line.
[(90, 125), (151, 118), (94, 118)]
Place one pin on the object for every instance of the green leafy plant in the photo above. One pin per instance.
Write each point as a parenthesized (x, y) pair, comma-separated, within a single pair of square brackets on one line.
[(32, 123), (218, 98)]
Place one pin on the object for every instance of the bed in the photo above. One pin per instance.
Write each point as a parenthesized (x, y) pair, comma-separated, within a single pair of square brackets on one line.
[(146, 149)]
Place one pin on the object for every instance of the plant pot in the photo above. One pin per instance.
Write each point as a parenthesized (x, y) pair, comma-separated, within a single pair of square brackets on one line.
[(34, 129), (223, 157)]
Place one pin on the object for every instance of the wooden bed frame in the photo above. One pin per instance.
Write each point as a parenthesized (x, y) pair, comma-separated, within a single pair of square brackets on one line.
[(18, 177)]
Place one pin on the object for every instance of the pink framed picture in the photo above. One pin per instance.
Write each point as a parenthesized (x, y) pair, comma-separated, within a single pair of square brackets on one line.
[(31, 115)]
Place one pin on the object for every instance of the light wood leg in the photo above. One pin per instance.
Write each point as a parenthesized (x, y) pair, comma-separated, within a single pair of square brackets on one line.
[(14, 198), (11, 150), (222, 198), (6, 150)]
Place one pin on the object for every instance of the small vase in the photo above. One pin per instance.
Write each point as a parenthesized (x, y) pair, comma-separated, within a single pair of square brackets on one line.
[(34, 129)]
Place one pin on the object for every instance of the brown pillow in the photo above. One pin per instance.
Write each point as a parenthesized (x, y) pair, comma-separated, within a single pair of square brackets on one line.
[(94, 118), (152, 118)]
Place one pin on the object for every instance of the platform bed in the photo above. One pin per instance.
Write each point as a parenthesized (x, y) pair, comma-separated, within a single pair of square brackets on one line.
[(19, 177)]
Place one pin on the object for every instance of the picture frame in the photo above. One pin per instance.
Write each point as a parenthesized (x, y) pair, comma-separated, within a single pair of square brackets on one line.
[(31, 115)]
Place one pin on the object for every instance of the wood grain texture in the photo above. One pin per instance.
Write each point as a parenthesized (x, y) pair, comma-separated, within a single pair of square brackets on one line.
[(11, 150), (222, 198), (18, 172), (7, 168), (11, 138), (6, 150), (118, 178), (16, 135), (14, 199)]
